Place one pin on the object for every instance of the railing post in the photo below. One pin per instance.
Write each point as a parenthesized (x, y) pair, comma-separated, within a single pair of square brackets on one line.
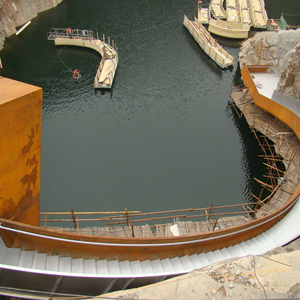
[(208, 215), (45, 224), (246, 210), (127, 217), (215, 224), (74, 218)]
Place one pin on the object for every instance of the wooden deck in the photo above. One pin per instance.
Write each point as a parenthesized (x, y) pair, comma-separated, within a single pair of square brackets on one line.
[(161, 230)]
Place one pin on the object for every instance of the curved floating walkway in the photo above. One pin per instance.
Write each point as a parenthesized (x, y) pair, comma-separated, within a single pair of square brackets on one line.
[(84, 38)]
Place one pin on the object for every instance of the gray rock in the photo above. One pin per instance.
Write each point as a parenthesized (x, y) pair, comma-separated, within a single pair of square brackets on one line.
[(15, 13), (281, 50)]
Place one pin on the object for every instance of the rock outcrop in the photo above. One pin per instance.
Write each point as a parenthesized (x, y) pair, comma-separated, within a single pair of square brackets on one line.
[(282, 51), (14, 13), (289, 83)]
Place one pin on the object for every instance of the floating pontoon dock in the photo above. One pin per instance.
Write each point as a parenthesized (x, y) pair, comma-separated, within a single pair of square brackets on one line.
[(229, 29), (258, 13), (236, 21), (217, 9), (84, 38), (208, 43)]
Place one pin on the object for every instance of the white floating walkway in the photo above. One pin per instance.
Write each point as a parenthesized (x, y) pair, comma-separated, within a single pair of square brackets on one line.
[(84, 38)]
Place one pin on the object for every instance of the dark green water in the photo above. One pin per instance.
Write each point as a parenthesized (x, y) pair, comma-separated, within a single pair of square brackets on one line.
[(163, 138)]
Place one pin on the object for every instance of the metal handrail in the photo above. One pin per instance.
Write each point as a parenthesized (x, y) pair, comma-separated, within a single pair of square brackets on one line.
[(129, 216), (276, 215), (70, 33)]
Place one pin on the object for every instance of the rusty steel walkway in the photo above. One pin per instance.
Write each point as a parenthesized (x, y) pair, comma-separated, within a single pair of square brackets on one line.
[(85, 38)]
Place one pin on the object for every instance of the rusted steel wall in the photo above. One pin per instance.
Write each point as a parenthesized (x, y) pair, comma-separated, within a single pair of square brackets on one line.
[(280, 112), (126, 248), (20, 148)]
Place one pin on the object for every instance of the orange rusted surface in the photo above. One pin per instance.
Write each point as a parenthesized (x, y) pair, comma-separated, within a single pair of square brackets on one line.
[(282, 113), (20, 148), (85, 246)]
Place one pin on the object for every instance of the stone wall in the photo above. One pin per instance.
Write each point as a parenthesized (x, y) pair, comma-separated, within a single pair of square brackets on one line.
[(282, 51), (14, 13)]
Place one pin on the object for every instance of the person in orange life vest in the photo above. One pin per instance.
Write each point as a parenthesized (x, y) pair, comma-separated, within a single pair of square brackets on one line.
[(75, 73)]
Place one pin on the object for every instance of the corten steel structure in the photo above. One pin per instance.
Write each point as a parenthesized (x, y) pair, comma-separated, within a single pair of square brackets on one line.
[(42, 262), (20, 148)]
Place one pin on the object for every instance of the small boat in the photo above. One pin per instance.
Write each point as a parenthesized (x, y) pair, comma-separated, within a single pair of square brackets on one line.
[(76, 76), (277, 24)]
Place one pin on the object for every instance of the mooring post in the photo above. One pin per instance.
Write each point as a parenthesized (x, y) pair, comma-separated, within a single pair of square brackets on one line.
[(112, 43), (103, 38), (132, 230), (108, 40)]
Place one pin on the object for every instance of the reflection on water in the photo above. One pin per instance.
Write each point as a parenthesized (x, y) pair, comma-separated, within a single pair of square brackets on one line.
[(163, 137)]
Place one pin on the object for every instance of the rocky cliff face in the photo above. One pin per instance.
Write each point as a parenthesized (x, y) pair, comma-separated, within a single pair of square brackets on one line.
[(14, 13), (282, 51)]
